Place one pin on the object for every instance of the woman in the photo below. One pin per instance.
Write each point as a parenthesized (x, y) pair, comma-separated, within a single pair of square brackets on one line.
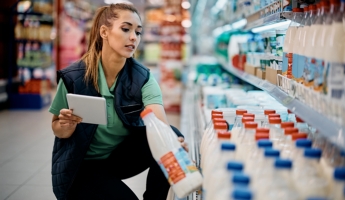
[(90, 160)]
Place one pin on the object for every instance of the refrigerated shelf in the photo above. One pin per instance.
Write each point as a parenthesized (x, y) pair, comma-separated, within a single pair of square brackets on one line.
[(330, 129)]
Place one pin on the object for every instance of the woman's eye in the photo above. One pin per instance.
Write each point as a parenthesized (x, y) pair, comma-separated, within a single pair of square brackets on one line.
[(138, 33), (125, 29)]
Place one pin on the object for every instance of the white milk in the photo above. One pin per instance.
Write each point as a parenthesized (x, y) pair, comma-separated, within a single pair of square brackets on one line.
[(297, 72), (309, 68), (334, 58), (174, 161), (288, 42)]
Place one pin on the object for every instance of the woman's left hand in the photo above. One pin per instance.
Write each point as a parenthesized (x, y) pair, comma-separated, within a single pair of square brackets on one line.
[(183, 144)]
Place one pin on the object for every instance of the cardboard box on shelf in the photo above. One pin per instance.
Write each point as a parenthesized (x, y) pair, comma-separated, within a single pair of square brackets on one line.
[(260, 74), (251, 69), (271, 75)]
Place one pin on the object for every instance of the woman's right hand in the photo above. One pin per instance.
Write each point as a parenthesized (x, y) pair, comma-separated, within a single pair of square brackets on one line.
[(65, 123), (67, 120)]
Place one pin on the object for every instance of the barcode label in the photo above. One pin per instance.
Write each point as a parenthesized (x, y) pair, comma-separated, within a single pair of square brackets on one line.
[(337, 93)]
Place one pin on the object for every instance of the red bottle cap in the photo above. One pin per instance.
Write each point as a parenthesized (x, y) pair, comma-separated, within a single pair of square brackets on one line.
[(215, 120), (290, 130), (273, 115), (313, 7), (240, 111), (306, 9), (289, 111), (248, 115), (261, 136), (275, 120), (250, 125), (287, 124), (216, 112), (262, 130), (223, 135), (220, 126), (297, 10), (145, 112), (267, 112), (297, 136), (247, 119), (216, 116)]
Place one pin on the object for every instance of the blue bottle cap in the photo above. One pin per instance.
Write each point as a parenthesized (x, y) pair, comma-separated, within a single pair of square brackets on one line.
[(242, 194), (303, 143), (283, 163), (342, 152), (240, 178), (312, 153), (339, 173), (228, 146), (272, 153), (234, 166), (264, 143)]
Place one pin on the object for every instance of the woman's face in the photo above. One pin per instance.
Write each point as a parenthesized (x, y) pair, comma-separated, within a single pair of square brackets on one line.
[(124, 36)]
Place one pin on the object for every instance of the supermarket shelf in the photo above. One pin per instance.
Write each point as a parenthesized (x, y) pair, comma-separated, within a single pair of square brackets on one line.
[(327, 127)]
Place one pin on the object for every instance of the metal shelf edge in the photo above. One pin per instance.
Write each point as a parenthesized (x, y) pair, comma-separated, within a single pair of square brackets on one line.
[(329, 129)]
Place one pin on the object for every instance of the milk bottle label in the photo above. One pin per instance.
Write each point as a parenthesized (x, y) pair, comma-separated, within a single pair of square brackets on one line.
[(318, 75), (176, 165), (308, 72), (297, 69), (334, 76)]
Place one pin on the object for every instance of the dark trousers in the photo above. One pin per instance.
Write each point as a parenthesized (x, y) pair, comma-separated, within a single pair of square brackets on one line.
[(101, 179)]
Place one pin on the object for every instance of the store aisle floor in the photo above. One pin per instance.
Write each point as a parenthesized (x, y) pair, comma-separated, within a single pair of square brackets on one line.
[(26, 142)]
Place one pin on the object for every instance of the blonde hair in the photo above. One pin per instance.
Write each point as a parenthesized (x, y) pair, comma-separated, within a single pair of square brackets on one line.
[(104, 16)]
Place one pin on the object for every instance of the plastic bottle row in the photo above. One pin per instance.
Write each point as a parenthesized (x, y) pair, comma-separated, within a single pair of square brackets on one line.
[(267, 159)]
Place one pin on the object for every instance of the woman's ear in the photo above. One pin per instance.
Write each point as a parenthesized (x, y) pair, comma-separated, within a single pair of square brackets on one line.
[(103, 31)]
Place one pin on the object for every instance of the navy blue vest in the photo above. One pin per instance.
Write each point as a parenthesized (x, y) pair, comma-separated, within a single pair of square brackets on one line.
[(69, 153)]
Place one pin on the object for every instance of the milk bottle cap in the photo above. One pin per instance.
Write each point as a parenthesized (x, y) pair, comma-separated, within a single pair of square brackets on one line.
[(269, 111), (283, 163), (240, 178), (247, 119), (215, 120), (296, 136), (297, 10), (313, 7), (339, 174), (228, 146), (145, 112), (312, 153), (240, 111), (290, 130), (264, 143), (289, 111), (241, 194), (224, 135), (216, 115), (220, 125), (216, 112), (250, 125), (299, 120), (275, 120), (262, 130), (261, 136), (248, 115), (272, 153), (335, 2), (287, 124), (234, 166), (303, 143), (273, 115)]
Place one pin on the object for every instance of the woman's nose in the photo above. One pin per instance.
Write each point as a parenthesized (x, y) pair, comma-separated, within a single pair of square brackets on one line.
[(133, 36)]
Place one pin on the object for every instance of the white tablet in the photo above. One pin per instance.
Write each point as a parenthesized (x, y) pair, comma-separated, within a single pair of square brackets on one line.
[(91, 109)]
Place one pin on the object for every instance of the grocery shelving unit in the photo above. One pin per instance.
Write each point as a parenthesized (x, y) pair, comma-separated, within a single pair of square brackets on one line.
[(327, 127)]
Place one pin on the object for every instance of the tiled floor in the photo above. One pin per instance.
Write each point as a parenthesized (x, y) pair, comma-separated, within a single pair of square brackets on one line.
[(26, 142)]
